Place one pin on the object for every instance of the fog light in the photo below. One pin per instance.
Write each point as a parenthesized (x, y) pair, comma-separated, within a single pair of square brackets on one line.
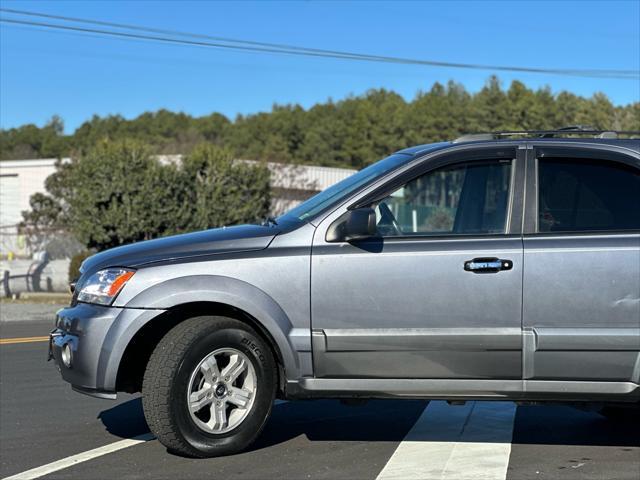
[(66, 355)]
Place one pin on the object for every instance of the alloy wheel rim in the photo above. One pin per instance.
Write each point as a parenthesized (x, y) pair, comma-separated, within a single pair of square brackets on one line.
[(222, 390)]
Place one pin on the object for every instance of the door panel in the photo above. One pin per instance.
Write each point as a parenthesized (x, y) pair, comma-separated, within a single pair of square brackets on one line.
[(581, 302), (582, 307), (403, 305), (410, 310)]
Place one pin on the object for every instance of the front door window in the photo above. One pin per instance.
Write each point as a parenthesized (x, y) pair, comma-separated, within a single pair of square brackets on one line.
[(467, 199)]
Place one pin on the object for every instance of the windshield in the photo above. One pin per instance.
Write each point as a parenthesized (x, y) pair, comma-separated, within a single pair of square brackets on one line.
[(344, 188)]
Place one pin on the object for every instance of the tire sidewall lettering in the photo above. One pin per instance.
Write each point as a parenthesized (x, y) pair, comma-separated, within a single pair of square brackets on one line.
[(254, 348)]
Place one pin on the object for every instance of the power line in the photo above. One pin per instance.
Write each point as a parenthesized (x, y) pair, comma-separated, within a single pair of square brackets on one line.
[(168, 39), (171, 32), (263, 47), (295, 50), (281, 46)]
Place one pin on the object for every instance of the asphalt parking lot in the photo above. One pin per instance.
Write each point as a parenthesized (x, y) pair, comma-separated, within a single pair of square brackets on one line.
[(43, 424)]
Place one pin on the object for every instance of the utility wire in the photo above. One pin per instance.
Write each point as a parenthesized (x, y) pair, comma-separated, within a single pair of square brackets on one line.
[(281, 46), (171, 32), (262, 47), (286, 49)]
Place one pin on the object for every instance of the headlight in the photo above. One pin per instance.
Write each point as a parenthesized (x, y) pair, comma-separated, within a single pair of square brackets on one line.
[(103, 286)]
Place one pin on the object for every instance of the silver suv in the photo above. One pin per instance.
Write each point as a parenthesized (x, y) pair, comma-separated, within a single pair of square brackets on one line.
[(492, 267)]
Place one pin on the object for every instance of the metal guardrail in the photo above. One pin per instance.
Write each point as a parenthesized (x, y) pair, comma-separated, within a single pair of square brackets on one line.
[(32, 280)]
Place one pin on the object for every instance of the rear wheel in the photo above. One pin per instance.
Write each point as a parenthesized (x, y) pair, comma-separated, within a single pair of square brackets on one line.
[(209, 387)]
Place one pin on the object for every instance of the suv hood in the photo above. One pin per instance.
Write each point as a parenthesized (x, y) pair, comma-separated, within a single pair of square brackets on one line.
[(208, 242)]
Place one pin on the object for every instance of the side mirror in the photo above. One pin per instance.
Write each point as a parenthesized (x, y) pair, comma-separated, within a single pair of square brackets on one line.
[(355, 224)]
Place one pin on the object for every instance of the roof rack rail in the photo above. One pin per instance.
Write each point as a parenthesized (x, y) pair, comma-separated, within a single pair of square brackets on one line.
[(560, 132), (475, 137)]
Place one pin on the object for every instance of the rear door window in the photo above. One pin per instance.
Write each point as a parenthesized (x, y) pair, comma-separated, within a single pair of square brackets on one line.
[(580, 195)]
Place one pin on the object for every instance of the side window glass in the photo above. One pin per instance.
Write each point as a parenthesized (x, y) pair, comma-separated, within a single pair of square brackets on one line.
[(578, 195), (463, 199)]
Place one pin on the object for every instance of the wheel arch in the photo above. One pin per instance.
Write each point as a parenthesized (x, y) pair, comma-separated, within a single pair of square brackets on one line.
[(187, 297)]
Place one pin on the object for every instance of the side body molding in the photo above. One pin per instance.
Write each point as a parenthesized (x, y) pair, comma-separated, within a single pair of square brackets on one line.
[(233, 292)]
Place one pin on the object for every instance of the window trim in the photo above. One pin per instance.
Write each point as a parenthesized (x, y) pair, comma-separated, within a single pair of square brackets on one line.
[(425, 165), (454, 165), (514, 152), (531, 214)]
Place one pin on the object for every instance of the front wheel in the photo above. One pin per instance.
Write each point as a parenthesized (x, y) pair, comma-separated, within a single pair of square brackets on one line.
[(209, 387)]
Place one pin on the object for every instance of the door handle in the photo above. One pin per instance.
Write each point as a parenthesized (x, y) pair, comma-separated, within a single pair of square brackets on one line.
[(487, 265)]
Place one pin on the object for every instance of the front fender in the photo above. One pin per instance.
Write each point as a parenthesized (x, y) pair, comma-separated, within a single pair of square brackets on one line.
[(235, 293)]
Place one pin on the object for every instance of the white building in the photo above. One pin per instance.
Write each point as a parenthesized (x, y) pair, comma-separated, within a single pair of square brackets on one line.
[(19, 179)]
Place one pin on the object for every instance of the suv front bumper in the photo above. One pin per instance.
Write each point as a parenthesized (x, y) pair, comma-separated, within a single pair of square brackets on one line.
[(95, 338)]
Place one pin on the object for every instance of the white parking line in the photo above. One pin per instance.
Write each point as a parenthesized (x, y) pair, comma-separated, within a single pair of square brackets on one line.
[(79, 458), (455, 443)]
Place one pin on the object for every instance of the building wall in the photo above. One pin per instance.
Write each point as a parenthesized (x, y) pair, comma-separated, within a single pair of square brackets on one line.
[(19, 179)]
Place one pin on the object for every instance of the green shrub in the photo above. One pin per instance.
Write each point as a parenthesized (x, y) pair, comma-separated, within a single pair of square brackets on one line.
[(76, 261), (118, 193)]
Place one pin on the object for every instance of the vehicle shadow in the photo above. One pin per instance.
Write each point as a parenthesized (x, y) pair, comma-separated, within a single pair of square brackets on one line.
[(125, 420), (390, 420), (564, 425)]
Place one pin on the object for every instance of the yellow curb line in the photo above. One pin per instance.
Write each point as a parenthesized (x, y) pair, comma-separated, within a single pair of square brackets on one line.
[(9, 341)]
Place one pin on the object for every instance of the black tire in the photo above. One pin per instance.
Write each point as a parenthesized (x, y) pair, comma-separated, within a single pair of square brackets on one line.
[(166, 380)]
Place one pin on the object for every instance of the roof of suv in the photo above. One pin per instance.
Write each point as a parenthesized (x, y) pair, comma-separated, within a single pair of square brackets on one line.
[(631, 144)]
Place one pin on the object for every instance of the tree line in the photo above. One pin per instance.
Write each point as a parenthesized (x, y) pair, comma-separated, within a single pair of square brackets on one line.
[(349, 133)]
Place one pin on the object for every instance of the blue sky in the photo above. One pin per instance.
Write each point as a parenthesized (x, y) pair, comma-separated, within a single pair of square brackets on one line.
[(43, 73)]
